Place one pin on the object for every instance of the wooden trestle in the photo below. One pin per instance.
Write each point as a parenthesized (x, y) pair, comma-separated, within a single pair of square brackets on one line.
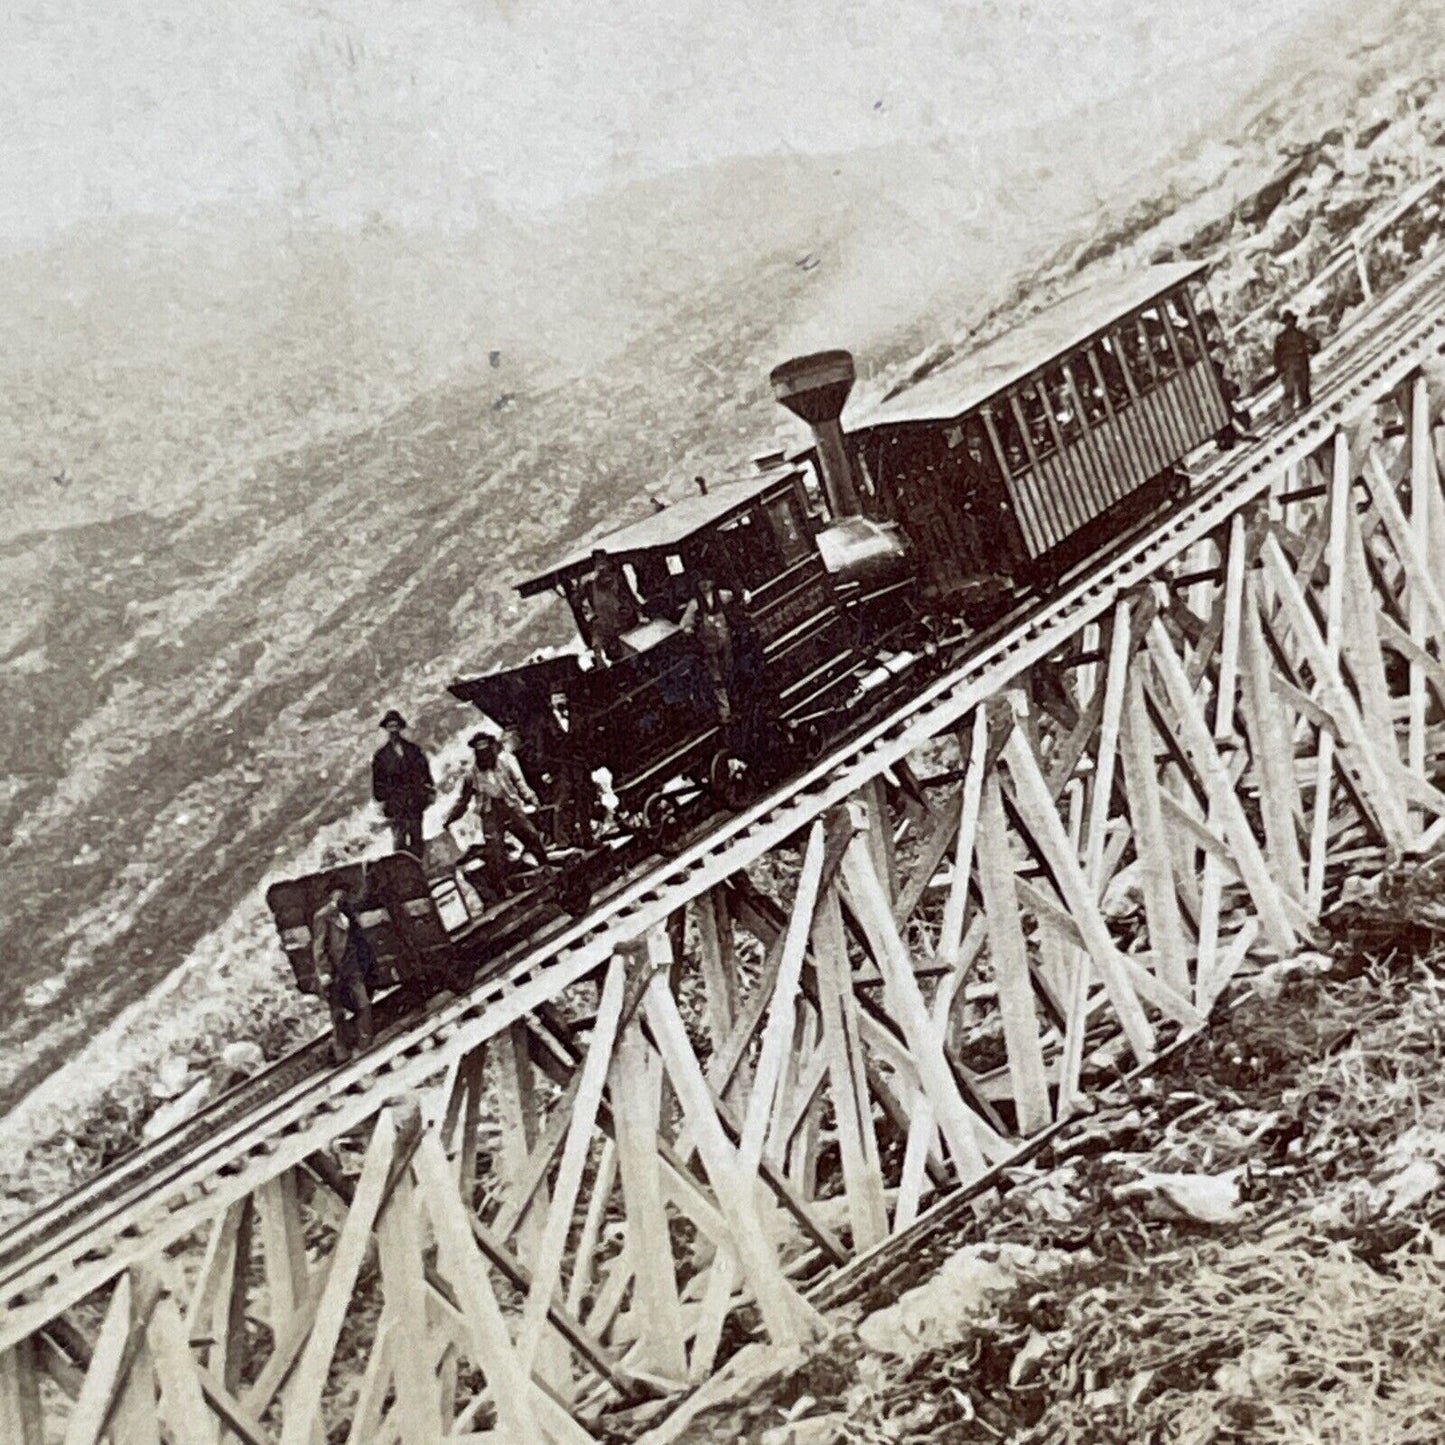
[(670, 1154)]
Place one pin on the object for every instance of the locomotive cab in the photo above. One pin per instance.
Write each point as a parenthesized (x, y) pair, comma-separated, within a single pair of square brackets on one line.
[(658, 704)]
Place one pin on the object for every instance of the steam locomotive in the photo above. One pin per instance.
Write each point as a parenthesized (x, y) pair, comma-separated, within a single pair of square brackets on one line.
[(844, 574)]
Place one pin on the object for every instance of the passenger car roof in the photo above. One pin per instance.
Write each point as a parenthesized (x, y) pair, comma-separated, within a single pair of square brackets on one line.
[(951, 392), (668, 528)]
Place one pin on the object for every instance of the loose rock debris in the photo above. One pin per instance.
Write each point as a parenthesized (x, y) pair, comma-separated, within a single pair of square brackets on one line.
[(1252, 1249)]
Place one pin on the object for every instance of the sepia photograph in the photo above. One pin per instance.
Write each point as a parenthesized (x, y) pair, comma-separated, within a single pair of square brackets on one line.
[(722, 724)]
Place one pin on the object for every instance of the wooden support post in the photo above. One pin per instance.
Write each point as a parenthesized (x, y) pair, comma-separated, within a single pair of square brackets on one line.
[(955, 910), (470, 1079), (1422, 492), (404, 1286), (524, 1132), (183, 1401), (21, 1420), (284, 1242), (803, 1135), (547, 1272), (719, 966), (961, 1127), (635, 1087), (786, 1315), (1376, 781), (459, 1259), (1043, 822), (1223, 725), (768, 1095), (517, 1113), (1361, 636), (218, 1304), (1101, 794), (606, 1178), (530, 1183), (303, 1401), (375, 1386), (1010, 964), (1271, 748), (874, 797), (1219, 785), (847, 1073), (287, 1347), (1339, 507), (920, 1158), (777, 1040), (941, 835), (104, 1377)]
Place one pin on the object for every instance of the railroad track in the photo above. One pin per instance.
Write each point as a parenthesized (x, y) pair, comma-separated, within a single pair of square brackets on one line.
[(165, 1190)]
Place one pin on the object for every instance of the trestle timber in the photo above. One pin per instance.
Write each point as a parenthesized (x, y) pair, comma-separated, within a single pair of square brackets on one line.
[(559, 1195)]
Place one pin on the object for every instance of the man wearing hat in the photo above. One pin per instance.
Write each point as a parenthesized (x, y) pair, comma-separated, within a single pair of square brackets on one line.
[(401, 782), (615, 607), (344, 962), (496, 784), (1293, 348)]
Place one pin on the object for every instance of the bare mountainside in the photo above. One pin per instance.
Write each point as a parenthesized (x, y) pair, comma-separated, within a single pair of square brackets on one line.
[(188, 693), (293, 489)]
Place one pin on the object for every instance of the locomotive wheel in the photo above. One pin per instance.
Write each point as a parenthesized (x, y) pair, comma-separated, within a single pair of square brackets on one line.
[(809, 740), (659, 820), (730, 780)]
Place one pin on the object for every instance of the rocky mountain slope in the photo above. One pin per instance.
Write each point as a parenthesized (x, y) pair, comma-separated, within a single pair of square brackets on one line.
[(262, 482)]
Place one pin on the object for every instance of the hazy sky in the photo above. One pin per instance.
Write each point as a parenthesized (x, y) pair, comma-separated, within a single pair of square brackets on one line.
[(421, 108)]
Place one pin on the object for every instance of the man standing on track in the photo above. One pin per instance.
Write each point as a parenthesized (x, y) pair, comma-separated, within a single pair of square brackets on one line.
[(401, 782), (1293, 348), (343, 957), (502, 795)]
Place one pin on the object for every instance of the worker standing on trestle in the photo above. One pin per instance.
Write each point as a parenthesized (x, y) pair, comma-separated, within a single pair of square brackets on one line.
[(1293, 348), (401, 782), (502, 795), (344, 960)]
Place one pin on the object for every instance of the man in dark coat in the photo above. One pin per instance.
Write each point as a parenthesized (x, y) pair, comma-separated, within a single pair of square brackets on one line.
[(615, 608), (344, 960), (1293, 348), (401, 782)]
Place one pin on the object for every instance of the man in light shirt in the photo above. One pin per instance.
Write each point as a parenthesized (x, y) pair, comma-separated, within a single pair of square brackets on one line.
[(501, 794)]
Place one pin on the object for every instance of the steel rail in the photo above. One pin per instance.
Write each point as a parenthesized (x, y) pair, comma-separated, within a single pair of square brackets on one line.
[(266, 1086), (103, 1234)]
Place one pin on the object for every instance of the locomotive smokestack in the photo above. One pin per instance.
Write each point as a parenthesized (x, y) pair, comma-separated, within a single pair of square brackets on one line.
[(815, 388)]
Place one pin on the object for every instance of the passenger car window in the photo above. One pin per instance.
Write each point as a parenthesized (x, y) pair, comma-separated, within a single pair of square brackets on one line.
[(1035, 418), (1105, 355), (1061, 405), (1010, 438), (1088, 389), (1157, 333), (1135, 356), (1184, 337)]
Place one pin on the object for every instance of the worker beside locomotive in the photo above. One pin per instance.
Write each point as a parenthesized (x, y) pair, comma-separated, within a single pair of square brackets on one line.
[(728, 637)]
